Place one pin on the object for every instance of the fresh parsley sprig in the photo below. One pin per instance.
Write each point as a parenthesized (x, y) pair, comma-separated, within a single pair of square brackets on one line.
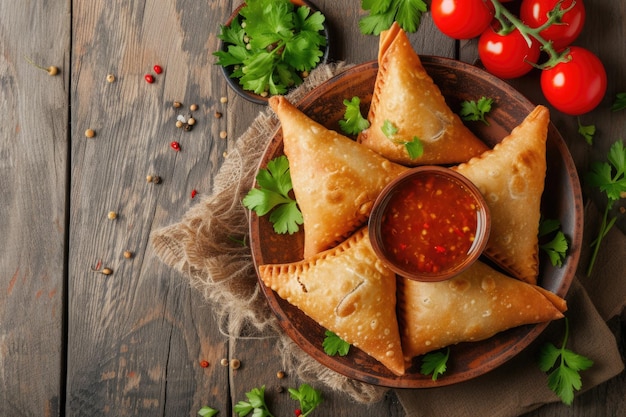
[(353, 121), (414, 147), (610, 178), (273, 195), (334, 345), (272, 44), (472, 110), (382, 14), (620, 102), (564, 378), (255, 404), (555, 248), (308, 397), (435, 363), (207, 411), (586, 131)]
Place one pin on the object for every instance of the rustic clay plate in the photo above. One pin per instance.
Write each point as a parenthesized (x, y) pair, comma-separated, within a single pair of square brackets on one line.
[(561, 200)]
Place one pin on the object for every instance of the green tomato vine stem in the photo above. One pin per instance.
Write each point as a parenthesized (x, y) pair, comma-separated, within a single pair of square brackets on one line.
[(509, 22)]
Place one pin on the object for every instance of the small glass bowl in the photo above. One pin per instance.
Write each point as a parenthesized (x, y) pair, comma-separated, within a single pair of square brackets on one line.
[(251, 96), (429, 224)]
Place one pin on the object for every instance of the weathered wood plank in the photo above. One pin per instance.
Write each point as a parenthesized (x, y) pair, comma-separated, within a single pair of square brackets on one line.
[(136, 337), (33, 165)]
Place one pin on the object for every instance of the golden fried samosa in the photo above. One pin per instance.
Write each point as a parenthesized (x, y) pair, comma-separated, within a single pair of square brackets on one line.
[(472, 306), (511, 176), (406, 98), (335, 180), (348, 291)]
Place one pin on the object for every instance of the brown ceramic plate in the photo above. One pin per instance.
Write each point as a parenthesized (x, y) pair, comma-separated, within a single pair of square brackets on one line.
[(561, 200)]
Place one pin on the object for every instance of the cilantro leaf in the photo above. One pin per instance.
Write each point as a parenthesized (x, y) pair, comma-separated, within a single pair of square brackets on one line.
[(620, 102), (207, 412), (255, 404), (333, 344), (415, 148), (382, 14), (564, 366), (389, 129), (353, 121), (556, 248), (587, 131), (270, 44), (435, 363), (308, 397), (472, 110), (273, 194)]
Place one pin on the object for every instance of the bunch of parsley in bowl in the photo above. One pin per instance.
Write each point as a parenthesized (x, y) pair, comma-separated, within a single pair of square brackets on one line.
[(269, 46)]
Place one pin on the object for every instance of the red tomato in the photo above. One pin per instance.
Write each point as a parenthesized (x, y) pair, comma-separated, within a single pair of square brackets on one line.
[(576, 86), (535, 13), (507, 56), (462, 19)]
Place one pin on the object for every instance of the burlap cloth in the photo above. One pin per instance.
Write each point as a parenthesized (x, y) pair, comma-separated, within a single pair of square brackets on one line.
[(205, 246)]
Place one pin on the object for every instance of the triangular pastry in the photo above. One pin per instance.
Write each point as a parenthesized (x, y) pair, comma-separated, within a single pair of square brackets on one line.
[(348, 291), (406, 97), (512, 178), (335, 180), (472, 306)]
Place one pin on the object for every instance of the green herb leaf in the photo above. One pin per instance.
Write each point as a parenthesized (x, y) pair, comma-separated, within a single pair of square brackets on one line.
[(609, 177), (273, 194), (382, 14), (207, 412), (353, 121), (564, 378), (255, 404), (472, 110), (277, 42), (435, 363), (555, 248), (308, 397), (415, 148), (333, 344), (389, 129), (620, 102), (586, 132)]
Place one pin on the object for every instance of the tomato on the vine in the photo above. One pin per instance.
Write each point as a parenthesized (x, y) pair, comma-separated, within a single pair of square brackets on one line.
[(462, 19), (534, 13), (575, 86), (507, 56)]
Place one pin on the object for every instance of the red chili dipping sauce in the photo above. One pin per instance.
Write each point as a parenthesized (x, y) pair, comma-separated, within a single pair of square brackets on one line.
[(429, 224)]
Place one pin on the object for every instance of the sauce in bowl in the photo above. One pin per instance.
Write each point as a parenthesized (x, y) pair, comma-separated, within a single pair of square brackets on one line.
[(429, 224)]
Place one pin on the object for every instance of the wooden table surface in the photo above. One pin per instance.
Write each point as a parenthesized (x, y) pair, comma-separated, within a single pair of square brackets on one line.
[(75, 342)]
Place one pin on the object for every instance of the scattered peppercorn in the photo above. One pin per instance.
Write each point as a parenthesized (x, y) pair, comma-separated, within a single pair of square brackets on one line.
[(235, 363), (52, 70), (149, 78), (297, 412), (128, 254), (177, 104), (157, 69), (224, 362), (217, 115), (204, 364), (156, 179), (107, 271), (110, 78), (280, 374), (223, 134), (223, 99), (280, 389), (187, 127), (175, 145), (90, 133), (149, 178), (179, 124), (191, 121), (194, 193), (112, 215)]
